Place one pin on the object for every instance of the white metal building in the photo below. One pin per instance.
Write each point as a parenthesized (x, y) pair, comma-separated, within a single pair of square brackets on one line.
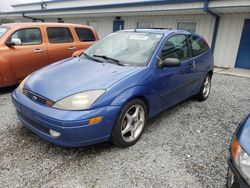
[(225, 24)]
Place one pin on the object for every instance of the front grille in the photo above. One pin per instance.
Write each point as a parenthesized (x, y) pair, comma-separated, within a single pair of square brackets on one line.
[(37, 98)]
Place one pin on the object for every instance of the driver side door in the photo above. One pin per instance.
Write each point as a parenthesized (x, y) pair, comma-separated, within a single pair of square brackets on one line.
[(175, 83), (30, 55)]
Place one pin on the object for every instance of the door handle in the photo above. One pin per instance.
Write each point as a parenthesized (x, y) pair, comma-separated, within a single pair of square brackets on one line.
[(72, 48), (38, 51)]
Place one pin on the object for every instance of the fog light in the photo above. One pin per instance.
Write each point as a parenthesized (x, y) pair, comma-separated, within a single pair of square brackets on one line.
[(95, 120), (54, 133)]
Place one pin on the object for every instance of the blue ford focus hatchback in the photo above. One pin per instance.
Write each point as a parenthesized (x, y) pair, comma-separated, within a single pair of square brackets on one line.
[(112, 89)]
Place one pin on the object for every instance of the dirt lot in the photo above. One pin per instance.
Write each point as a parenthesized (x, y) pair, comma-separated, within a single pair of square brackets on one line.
[(186, 146)]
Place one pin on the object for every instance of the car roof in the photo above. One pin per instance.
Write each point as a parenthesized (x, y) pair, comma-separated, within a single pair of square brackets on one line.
[(158, 31), (37, 24)]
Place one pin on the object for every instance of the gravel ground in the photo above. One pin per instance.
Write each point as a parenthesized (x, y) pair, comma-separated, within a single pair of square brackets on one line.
[(186, 146)]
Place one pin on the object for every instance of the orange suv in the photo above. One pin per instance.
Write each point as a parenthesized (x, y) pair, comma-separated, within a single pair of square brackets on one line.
[(26, 47)]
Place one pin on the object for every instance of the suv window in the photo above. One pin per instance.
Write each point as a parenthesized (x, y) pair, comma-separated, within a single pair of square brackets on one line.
[(28, 36), (3, 30), (198, 45), (85, 34), (59, 35), (176, 47)]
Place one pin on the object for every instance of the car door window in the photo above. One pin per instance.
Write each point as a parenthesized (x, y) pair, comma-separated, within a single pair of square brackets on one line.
[(85, 34), (59, 35), (198, 45), (28, 36), (176, 47)]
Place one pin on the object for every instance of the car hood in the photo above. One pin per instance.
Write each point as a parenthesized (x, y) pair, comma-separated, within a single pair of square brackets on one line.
[(75, 75), (243, 134)]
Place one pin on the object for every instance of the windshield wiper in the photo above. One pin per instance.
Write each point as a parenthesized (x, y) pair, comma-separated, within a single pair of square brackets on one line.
[(91, 58), (109, 59)]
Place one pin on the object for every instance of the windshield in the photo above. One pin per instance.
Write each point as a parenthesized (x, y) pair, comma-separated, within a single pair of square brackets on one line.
[(129, 48), (2, 31)]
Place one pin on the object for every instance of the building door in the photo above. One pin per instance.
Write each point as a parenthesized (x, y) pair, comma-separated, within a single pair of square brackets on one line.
[(118, 25), (243, 58)]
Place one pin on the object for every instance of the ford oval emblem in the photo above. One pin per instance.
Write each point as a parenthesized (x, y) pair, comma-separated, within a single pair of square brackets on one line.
[(34, 98)]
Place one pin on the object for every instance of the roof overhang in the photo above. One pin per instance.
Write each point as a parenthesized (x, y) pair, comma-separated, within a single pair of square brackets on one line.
[(148, 7), (158, 7)]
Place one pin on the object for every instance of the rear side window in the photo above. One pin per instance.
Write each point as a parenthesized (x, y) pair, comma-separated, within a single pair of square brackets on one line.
[(3, 30), (198, 45), (29, 36), (176, 47), (59, 35), (85, 34)]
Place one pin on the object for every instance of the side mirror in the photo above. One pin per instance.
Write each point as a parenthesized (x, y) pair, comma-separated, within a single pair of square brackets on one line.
[(77, 53), (169, 62), (14, 42)]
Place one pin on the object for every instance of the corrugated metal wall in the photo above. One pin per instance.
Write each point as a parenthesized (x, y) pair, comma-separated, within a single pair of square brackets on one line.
[(228, 39), (205, 23)]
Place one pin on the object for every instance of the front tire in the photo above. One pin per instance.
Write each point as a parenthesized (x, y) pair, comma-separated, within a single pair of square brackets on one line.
[(205, 88), (231, 183), (130, 124)]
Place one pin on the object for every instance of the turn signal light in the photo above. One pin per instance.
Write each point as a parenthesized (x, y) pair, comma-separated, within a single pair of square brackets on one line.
[(49, 103), (95, 120), (235, 148)]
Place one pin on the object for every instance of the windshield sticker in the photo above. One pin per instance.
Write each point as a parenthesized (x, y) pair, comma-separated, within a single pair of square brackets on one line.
[(138, 37)]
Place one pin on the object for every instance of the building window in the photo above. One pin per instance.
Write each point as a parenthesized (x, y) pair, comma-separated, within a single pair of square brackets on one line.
[(143, 24), (187, 26)]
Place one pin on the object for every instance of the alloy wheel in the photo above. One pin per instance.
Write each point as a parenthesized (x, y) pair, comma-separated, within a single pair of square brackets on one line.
[(133, 123), (207, 86)]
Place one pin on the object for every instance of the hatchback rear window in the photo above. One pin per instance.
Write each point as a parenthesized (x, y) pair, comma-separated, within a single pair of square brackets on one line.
[(3, 30), (59, 35), (85, 34)]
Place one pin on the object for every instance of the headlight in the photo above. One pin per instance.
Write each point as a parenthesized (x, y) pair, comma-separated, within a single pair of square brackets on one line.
[(241, 159), (79, 101), (20, 87)]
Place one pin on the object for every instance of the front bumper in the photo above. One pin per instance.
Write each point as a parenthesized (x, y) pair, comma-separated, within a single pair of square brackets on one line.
[(73, 125), (239, 181)]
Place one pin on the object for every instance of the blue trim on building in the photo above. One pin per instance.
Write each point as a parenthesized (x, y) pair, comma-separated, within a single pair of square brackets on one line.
[(217, 22), (146, 11)]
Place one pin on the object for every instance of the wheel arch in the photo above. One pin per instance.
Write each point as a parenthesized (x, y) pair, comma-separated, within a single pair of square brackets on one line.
[(138, 92)]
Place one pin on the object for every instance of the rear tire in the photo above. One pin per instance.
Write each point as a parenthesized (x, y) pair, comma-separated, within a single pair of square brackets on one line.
[(130, 124), (205, 88)]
